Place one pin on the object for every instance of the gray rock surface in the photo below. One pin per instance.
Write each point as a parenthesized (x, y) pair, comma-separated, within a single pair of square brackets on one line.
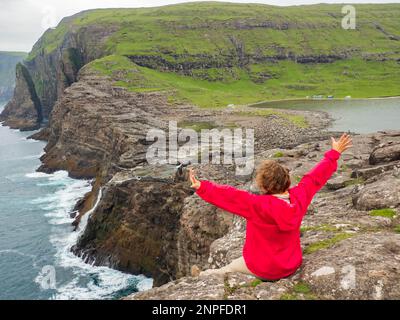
[(385, 153), (23, 110), (349, 253), (98, 130)]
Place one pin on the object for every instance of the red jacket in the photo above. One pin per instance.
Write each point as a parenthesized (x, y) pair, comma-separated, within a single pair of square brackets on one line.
[(272, 248)]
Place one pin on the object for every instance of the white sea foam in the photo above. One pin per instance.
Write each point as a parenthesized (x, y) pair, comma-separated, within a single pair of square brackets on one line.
[(60, 175), (36, 175), (87, 281), (26, 140)]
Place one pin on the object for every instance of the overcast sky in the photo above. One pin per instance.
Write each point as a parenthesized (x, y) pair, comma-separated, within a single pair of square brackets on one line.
[(23, 21)]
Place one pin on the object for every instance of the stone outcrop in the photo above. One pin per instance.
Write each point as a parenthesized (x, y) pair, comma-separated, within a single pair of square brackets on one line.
[(381, 194), (98, 130), (97, 126), (148, 220), (8, 62), (370, 272), (48, 73), (366, 266), (349, 252), (145, 223), (194, 65), (54, 71), (24, 110), (385, 153)]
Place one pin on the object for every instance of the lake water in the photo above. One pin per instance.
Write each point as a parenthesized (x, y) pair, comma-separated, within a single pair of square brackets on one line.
[(360, 116), (36, 233)]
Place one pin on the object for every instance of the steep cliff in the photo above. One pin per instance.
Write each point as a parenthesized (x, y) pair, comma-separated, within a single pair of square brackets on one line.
[(23, 111), (217, 54), (8, 62), (96, 125), (147, 220), (51, 67), (141, 226), (54, 65)]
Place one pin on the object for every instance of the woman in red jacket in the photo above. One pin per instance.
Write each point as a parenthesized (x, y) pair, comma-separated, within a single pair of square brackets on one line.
[(272, 248)]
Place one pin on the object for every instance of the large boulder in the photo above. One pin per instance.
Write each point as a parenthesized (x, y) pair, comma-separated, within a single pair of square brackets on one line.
[(363, 267), (232, 286), (383, 193), (366, 173), (385, 153)]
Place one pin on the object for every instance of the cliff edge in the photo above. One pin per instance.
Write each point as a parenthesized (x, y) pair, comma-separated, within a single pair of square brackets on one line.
[(8, 61), (216, 54), (350, 236)]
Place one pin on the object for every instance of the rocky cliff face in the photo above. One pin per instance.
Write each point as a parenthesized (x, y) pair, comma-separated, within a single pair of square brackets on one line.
[(141, 226), (97, 126), (148, 221), (248, 43), (350, 236), (8, 62), (98, 130), (49, 71), (23, 111), (56, 70)]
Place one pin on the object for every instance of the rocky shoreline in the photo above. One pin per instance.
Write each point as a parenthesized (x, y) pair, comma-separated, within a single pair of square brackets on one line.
[(350, 236), (148, 220)]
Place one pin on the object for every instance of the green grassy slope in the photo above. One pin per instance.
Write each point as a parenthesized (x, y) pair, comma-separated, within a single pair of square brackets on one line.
[(214, 54), (295, 81)]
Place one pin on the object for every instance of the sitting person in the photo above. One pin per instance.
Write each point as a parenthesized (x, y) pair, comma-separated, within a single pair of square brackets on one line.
[(272, 248)]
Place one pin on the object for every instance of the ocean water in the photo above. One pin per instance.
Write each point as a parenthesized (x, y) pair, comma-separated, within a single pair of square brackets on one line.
[(36, 233)]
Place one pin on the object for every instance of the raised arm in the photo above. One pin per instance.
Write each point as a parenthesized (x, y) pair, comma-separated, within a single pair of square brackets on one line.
[(228, 198), (314, 180)]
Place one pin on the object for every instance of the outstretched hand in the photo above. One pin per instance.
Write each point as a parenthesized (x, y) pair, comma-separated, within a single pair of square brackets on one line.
[(342, 144), (195, 183)]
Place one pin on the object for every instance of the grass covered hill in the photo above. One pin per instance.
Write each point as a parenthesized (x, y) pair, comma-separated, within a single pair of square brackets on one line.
[(214, 54)]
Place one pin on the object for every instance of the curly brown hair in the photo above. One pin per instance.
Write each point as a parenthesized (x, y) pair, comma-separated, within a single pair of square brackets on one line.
[(272, 178)]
